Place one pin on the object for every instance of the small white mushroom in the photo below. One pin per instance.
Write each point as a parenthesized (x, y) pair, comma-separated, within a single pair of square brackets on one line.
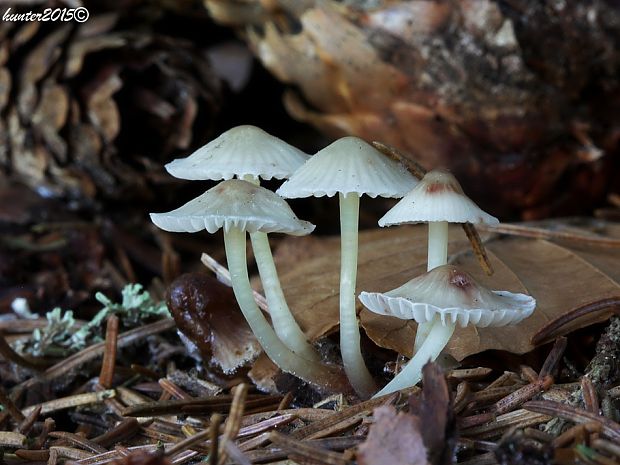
[(439, 200), (249, 153), (238, 206), (351, 168), (443, 298), (244, 152)]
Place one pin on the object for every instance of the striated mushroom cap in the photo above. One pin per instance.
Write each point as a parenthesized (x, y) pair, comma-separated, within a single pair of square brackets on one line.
[(234, 203), (348, 166), (453, 295), (437, 197), (240, 151)]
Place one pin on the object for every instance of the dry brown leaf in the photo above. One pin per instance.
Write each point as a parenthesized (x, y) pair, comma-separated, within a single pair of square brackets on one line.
[(393, 439), (559, 276)]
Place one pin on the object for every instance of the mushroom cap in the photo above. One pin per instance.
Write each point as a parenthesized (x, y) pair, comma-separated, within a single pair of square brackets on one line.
[(349, 165), (437, 197), (240, 151), (453, 295), (234, 203)]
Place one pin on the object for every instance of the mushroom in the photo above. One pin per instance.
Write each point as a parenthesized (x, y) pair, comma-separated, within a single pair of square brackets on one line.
[(349, 167), (249, 153), (437, 199), (245, 152), (444, 297), (238, 206)]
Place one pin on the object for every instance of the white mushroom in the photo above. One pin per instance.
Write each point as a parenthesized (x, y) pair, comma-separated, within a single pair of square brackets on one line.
[(244, 152), (249, 153), (238, 206), (443, 298), (351, 168), (439, 200)]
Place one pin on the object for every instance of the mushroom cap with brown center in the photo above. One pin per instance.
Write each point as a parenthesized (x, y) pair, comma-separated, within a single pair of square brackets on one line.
[(437, 197), (234, 203), (455, 296)]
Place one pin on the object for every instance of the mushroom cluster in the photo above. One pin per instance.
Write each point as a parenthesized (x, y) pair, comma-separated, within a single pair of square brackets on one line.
[(438, 301), (445, 296)]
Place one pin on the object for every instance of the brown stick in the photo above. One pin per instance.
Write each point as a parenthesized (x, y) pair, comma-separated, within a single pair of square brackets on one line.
[(233, 423), (554, 327), (10, 406), (214, 434), (609, 428), (106, 375)]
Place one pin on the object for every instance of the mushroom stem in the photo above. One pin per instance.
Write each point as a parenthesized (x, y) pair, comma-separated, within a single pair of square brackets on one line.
[(354, 365), (437, 256), (437, 339), (421, 334), (282, 356), (283, 321), (437, 244)]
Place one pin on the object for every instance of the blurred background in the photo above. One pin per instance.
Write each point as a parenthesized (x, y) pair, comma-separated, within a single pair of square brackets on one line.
[(517, 97)]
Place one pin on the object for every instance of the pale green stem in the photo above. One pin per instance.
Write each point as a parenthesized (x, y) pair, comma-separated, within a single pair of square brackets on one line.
[(282, 356), (437, 256), (354, 365), (437, 244), (284, 324), (437, 339)]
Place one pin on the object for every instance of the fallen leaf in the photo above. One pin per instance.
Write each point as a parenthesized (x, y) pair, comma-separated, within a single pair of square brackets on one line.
[(394, 439), (560, 276)]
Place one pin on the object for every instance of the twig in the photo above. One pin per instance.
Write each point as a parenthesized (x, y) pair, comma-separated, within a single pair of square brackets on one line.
[(10, 406), (125, 430), (392, 152), (10, 439), (522, 395), (554, 357), (187, 443), (322, 428), (542, 233), (286, 401), (590, 398), (173, 389), (610, 428), (48, 426), (70, 401), (26, 425), (231, 427), (108, 365), (79, 441), (223, 275), (194, 405), (214, 434), (554, 327), (569, 435), (307, 450), (478, 248)]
